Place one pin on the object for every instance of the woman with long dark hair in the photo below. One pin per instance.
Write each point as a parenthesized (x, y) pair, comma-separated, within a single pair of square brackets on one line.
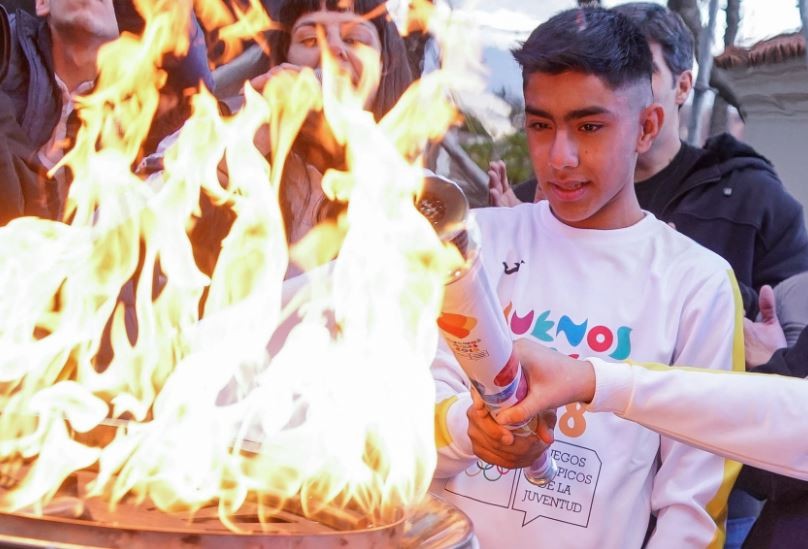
[(347, 27), (293, 45)]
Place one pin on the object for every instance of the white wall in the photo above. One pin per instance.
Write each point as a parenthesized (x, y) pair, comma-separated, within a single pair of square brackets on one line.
[(776, 100)]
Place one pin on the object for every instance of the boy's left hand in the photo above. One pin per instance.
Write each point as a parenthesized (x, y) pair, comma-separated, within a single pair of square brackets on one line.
[(497, 445)]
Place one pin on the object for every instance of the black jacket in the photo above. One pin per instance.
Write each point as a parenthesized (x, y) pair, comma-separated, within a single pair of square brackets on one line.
[(5, 42), (733, 203), (30, 105), (783, 522), (30, 81), (20, 181), (19, 174)]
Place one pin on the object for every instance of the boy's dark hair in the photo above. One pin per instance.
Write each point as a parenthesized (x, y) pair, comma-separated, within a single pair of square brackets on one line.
[(665, 27), (593, 41)]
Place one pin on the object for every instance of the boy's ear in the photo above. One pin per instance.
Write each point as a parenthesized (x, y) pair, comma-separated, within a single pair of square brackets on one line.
[(43, 8), (651, 120), (684, 85)]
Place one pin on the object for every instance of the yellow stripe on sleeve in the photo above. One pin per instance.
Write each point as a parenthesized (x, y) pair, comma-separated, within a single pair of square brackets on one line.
[(717, 507), (738, 357), (443, 437)]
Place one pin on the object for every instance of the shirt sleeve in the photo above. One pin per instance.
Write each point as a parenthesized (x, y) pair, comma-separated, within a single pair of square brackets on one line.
[(762, 481), (752, 418), (691, 486), (452, 401)]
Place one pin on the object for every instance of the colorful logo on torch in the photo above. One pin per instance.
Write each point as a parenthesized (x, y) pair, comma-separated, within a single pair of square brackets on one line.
[(460, 326), (495, 400), (506, 376)]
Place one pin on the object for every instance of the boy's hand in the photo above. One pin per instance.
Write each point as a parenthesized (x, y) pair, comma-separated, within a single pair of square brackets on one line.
[(497, 445)]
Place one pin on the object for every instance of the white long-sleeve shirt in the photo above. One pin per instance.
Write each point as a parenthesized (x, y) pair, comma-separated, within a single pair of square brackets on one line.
[(757, 419), (644, 293)]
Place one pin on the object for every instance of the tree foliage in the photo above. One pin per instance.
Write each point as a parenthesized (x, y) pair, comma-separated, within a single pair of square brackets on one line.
[(512, 148), (690, 13), (719, 119), (804, 16)]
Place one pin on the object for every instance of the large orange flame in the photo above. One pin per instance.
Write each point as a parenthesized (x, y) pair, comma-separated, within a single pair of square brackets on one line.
[(340, 414)]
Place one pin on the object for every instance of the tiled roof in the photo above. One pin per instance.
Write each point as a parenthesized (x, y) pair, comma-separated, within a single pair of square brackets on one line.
[(774, 50)]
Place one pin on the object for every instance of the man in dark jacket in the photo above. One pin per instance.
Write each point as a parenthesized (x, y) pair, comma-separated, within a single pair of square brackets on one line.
[(725, 196), (52, 55), (52, 58), (18, 172)]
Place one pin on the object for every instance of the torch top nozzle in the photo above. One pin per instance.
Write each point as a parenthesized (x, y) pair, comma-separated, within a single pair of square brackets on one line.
[(443, 203)]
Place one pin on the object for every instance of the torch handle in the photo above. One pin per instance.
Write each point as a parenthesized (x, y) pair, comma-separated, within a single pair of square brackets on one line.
[(541, 471), (544, 469)]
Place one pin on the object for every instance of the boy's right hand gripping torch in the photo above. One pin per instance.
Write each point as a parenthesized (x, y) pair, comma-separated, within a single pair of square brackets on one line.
[(472, 322)]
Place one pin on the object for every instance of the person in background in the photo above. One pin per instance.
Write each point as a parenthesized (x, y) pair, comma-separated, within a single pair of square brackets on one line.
[(588, 272), (347, 27), (725, 195), (52, 60), (18, 171)]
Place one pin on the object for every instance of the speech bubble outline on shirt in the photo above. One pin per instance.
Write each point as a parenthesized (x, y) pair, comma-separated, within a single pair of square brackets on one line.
[(569, 497)]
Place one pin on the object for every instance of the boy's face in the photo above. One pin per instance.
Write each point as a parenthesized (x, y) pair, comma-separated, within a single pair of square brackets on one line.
[(584, 139)]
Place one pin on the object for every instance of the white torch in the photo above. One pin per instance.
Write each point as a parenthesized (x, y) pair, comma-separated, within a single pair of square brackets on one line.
[(472, 321)]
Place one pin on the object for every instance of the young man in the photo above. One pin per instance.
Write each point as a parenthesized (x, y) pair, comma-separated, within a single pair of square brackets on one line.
[(724, 196), (591, 274)]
